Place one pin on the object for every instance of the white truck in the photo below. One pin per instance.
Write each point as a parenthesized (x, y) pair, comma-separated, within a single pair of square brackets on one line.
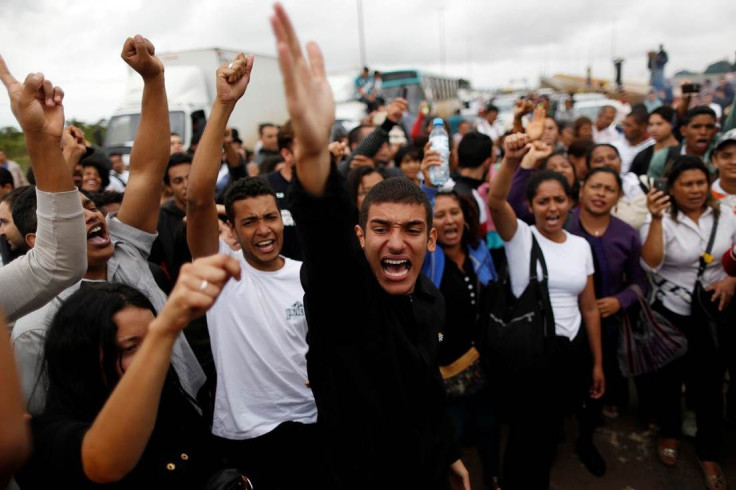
[(190, 88)]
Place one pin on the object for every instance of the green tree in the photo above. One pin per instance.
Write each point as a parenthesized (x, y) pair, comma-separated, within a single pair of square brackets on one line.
[(14, 145)]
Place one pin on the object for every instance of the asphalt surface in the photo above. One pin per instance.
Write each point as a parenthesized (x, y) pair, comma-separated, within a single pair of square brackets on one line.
[(629, 448)]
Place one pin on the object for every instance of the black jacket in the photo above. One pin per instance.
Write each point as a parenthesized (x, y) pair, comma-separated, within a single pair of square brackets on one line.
[(170, 250), (372, 358)]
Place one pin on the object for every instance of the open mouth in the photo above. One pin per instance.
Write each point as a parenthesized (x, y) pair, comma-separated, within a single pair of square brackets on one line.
[(552, 220), (266, 246), (97, 236), (451, 233), (395, 269)]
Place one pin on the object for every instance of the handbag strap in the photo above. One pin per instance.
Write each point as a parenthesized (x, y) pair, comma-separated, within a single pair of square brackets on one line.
[(537, 257), (709, 248), (544, 303)]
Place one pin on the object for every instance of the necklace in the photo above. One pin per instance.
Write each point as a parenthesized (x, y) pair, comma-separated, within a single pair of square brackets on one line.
[(595, 233)]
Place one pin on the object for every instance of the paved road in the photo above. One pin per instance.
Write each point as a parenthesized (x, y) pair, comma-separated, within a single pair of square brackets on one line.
[(630, 453)]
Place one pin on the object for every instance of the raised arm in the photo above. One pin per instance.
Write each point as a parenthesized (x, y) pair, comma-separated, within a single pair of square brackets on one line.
[(202, 227), (652, 250), (150, 153), (504, 218), (112, 447), (59, 257), (37, 105), (310, 103)]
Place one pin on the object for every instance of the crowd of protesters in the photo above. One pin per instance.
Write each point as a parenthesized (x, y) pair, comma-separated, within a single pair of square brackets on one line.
[(317, 314)]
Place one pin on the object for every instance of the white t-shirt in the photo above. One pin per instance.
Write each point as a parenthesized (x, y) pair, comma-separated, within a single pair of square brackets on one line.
[(568, 264), (258, 334)]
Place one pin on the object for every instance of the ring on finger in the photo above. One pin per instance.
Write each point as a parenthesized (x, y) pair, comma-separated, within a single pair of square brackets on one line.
[(229, 66), (203, 285)]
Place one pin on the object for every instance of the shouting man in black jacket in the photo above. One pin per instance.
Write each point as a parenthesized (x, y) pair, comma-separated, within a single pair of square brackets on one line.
[(373, 319)]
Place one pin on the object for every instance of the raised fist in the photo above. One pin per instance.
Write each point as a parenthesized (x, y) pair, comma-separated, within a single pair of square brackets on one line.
[(515, 146), (73, 145), (233, 78), (140, 55), (36, 103), (396, 109)]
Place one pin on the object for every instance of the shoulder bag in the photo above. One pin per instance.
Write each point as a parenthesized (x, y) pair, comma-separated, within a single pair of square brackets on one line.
[(647, 341), (518, 330)]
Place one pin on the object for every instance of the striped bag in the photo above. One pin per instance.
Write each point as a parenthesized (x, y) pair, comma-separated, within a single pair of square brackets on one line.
[(647, 340)]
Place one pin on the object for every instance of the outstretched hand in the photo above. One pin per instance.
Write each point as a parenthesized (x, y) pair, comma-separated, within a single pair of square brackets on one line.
[(36, 103), (539, 151), (233, 78), (140, 55), (536, 126), (308, 94)]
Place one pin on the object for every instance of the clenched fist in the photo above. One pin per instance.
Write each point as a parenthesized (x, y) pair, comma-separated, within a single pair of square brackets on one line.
[(140, 55), (36, 103)]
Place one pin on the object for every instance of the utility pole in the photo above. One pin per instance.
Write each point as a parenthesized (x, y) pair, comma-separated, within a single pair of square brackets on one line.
[(361, 34)]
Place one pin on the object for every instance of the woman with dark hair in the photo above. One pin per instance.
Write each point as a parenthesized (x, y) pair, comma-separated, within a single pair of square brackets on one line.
[(616, 250), (542, 396), (539, 157), (360, 181), (409, 159), (660, 124), (675, 247), (631, 207), (582, 128), (461, 267), (115, 410)]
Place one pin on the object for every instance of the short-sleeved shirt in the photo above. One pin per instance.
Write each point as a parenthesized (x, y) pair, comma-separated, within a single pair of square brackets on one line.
[(568, 266), (684, 242), (258, 332)]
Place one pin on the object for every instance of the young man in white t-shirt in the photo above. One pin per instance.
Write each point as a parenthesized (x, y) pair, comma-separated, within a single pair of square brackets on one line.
[(265, 412)]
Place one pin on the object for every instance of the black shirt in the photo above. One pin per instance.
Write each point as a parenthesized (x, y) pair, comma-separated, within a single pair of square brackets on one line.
[(170, 249), (179, 454), (460, 289), (292, 247), (372, 359)]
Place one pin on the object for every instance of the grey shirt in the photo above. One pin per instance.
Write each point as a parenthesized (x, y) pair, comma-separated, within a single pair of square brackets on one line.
[(127, 265), (58, 260)]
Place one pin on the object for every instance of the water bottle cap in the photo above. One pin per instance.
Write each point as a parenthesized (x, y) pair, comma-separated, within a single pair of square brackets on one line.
[(438, 122)]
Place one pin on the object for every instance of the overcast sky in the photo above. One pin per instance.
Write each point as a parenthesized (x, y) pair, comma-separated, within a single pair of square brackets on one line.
[(77, 43)]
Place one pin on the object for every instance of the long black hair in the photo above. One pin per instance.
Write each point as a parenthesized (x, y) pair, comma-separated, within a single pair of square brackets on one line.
[(81, 354), (471, 215)]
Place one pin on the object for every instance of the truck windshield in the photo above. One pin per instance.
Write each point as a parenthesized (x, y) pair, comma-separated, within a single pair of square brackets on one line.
[(121, 129)]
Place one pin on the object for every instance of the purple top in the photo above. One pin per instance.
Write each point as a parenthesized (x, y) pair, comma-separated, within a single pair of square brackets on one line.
[(517, 194), (616, 253)]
